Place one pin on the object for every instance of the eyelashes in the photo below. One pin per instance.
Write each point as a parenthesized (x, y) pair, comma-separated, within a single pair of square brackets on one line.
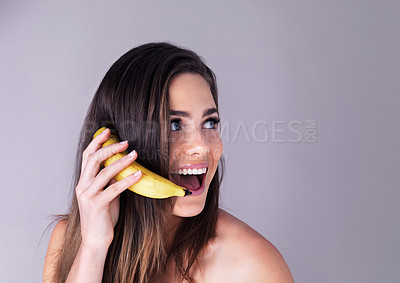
[(214, 120), (176, 123)]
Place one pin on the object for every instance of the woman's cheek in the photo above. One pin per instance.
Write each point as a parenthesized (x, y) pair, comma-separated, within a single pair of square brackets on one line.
[(217, 148)]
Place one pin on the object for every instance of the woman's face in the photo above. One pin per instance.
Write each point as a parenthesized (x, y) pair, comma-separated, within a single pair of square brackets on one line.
[(195, 142)]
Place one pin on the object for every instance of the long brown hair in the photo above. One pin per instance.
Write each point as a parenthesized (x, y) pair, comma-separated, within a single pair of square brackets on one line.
[(132, 100)]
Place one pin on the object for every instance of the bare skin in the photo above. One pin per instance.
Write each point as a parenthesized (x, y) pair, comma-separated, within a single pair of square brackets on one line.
[(194, 137), (98, 208), (236, 254)]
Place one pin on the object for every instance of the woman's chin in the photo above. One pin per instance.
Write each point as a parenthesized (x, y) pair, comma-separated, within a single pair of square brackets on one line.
[(188, 206)]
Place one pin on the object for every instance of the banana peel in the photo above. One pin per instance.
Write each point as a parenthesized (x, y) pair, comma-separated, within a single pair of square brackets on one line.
[(151, 184)]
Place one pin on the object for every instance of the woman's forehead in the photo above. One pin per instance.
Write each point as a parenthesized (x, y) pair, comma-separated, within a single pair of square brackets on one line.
[(190, 93)]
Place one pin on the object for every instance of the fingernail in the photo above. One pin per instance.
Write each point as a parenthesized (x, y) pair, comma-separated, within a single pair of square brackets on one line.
[(131, 154), (137, 173), (105, 131), (123, 142)]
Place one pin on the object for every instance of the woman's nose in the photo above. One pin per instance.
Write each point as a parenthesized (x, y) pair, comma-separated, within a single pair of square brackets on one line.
[(195, 143)]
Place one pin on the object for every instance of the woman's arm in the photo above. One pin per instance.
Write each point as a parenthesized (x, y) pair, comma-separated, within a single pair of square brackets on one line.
[(88, 265), (52, 255), (247, 254), (98, 200), (266, 264)]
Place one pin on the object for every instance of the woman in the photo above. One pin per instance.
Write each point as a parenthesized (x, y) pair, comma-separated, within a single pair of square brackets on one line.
[(162, 102)]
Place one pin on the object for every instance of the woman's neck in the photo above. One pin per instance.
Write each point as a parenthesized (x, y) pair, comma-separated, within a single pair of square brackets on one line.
[(173, 224)]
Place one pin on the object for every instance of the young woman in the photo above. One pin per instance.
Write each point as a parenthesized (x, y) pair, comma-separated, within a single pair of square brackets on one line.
[(161, 100)]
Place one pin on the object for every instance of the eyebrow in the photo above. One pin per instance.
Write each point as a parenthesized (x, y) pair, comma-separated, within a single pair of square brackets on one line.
[(186, 114)]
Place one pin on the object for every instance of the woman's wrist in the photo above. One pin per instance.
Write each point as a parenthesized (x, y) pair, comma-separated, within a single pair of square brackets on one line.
[(94, 249), (88, 265)]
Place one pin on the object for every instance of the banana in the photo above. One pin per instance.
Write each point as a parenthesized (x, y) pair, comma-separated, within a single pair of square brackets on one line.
[(151, 184)]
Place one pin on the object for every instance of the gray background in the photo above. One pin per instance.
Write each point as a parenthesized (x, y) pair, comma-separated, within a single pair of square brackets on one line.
[(330, 205)]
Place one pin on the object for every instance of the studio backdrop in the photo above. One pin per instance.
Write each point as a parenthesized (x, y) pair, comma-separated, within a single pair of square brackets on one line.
[(309, 100)]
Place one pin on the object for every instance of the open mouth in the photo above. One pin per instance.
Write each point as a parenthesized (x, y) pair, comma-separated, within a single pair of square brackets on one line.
[(193, 182)]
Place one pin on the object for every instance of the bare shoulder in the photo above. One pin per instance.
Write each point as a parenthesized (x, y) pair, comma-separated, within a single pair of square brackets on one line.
[(53, 250), (251, 257)]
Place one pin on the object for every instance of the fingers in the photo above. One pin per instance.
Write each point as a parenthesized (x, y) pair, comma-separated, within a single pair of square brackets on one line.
[(106, 174), (117, 188), (103, 199), (112, 181), (94, 160), (93, 146)]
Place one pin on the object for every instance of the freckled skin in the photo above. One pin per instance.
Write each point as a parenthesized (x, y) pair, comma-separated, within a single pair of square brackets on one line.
[(195, 142), (237, 253)]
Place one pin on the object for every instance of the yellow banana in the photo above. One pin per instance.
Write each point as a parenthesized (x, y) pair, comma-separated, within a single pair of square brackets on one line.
[(151, 184)]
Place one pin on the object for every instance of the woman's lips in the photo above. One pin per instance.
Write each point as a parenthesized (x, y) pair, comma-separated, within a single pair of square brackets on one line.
[(195, 192), (194, 166)]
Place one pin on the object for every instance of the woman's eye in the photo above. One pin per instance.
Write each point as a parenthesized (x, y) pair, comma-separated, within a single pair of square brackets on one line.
[(212, 123), (175, 125), (209, 124)]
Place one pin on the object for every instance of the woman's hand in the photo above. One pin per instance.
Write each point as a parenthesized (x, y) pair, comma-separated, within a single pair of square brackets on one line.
[(98, 204)]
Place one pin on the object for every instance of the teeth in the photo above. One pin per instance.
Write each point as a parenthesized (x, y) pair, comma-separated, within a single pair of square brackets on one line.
[(193, 171)]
